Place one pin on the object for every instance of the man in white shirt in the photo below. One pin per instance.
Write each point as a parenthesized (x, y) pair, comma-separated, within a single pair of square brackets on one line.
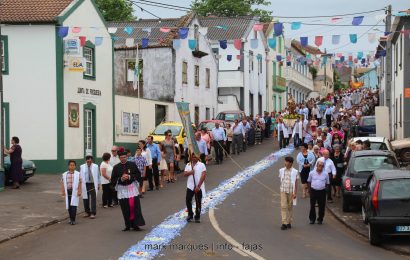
[(238, 137), (114, 160), (91, 184), (196, 173), (330, 169), (219, 141)]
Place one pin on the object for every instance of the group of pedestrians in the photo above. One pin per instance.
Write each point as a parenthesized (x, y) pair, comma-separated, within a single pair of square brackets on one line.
[(324, 150)]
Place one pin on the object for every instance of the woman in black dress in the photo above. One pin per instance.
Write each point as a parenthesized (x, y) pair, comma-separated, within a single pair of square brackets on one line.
[(305, 160), (16, 167), (338, 160)]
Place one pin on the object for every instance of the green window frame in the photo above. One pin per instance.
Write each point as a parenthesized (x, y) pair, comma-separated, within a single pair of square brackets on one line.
[(280, 44), (89, 55), (5, 55)]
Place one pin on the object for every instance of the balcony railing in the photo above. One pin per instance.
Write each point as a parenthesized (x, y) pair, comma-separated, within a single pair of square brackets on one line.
[(299, 78), (280, 84)]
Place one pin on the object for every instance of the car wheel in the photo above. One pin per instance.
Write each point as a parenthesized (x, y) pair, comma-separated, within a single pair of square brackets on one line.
[(405, 155), (365, 221), (375, 237), (345, 205)]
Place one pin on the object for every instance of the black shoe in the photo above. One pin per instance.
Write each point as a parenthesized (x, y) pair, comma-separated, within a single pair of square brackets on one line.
[(157, 188), (289, 226), (150, 189), (138, 229), (320, 222), (141, 196), (168, 181), (283, 227), (189, 219), (126, 229), (197, 220), (312, 222), (72, 223)]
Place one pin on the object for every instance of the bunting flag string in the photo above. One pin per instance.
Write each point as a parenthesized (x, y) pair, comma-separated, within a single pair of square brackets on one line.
[(296, 25), (145, 42), (335, 19), (304, 41), (147, 30), (357, 20), (278, 29), (258, 27), (335, 39), (83, 40), (237, 44), (63, 32), (128, 30), (238, 57), (353, 38), (183, 32), (165, 29), (229, 57), (272, 43), (129, 42), (98, 41), (192, 43), (176, 44), (318, 41), (222, 27), (254, 43), (223, 44), (112, 30), (76, 30)]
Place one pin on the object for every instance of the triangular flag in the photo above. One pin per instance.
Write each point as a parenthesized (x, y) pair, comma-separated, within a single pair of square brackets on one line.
[(237, 43), (183, 32), (147, 30), (76, 29), (176, 43), (272, 43), (278, 29), (238, 57), (229, 57), (63, 31), (334, 19), (259, 57), (112, 29), (304, 41), (258, 27), (129, 42), (165, 29), (144, 43), (296, 25), (372, 37), (278, 57), (223, 27), (98, 41), (83, 40), (335, 39), (254, 43), (192, 44), (318, 41), (223, 44), (360, 55), (128, 30), (353, 38), (357, 20), (203, 30)]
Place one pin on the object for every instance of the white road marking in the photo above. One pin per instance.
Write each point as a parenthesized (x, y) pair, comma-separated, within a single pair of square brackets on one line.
[(237, 246)]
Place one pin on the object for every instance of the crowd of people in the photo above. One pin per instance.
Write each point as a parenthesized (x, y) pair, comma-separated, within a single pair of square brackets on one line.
[(125, 178)]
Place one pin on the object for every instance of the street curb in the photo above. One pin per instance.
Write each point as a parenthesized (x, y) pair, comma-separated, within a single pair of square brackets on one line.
[(35, 228), (392, 249)]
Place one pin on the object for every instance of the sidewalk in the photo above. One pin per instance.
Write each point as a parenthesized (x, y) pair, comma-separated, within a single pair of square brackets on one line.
[(35, 205), (353, 220)]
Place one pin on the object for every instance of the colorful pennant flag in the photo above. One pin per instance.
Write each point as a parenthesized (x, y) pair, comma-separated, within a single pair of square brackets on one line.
[(335, 39), (318, 41), (147, 30), (254, 43), (259, 57), (192, 44), (296, 25), (304, 41), (176, 43), (165, 29), (223, 27), (112, 29), (76, 29), (98, 41), (272, 43), (83, 40), (371, 37), (229, 57), (257, 27), (278, 29), (278, 57), (63, 31), (238, 57), (129, 42), (128, 30), (360, 55), (203, 30), (237, 43), (353, 38), (357, 20), (223, 44), (335, 19), (183, 32), (144, 43)]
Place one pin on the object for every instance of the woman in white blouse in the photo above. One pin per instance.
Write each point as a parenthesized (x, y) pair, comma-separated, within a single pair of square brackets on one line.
[(106, 170), (146, 153)]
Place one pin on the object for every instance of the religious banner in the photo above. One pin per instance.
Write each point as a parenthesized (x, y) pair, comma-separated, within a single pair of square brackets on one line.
[(73, 115), (184, 113)]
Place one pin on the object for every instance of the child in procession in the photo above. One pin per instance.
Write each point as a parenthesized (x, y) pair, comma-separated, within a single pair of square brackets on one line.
[(71, 190)]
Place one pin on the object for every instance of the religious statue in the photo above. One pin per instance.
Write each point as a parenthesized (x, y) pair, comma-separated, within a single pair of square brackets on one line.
[(291, 104)]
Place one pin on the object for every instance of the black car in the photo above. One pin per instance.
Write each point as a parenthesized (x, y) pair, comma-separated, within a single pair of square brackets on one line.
[(367, 126), (361, 166), (386, 204)]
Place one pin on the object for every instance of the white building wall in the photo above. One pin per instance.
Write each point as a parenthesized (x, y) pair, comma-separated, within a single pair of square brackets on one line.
[(30, 88), (86, 17), (397, 92)]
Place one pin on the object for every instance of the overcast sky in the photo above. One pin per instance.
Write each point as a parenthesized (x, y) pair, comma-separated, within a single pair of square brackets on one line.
[(313, 8)]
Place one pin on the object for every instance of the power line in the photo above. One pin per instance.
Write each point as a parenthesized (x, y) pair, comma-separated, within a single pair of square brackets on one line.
[(329, 16), (158, 3), (160, 6), (145, 10)]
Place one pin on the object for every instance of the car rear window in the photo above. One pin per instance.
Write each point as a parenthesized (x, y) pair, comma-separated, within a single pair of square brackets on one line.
[(378, 146), (369, 121), (364, 165), (395, 189), (231, 117)]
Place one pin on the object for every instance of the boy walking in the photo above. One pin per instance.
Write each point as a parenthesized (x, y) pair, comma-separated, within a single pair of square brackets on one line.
[(71, 189), (288, 190)]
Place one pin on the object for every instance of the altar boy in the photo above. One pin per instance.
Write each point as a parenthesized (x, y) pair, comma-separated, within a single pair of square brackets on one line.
[(71, 190)]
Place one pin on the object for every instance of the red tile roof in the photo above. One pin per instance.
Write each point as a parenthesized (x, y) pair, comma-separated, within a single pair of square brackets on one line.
[(31, 11)]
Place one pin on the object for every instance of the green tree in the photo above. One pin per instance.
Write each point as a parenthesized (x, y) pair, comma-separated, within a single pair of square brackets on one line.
[(116, 10), (232, 8)]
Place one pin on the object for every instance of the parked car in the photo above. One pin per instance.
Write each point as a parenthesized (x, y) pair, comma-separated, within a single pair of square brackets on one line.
[(376, 143), (177, 130), (361, 166), (367, 126), (29, 169), (231, 116), (402, 149), (210, 124), (386, 207)]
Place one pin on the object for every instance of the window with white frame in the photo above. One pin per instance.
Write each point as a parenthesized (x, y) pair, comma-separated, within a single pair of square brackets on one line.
[(130, 123), (196, 75), (88, 54), (130, 66)]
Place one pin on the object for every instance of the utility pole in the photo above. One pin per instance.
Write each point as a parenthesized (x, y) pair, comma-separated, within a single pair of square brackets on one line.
[(2, 172), (388, 67)]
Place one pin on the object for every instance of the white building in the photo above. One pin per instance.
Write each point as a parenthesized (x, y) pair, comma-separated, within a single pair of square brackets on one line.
[(242, 72), (169, 74), (276, 83), (58, 114)]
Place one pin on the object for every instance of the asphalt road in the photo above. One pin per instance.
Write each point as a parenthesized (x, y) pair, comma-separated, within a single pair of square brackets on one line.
[(250, 217)]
